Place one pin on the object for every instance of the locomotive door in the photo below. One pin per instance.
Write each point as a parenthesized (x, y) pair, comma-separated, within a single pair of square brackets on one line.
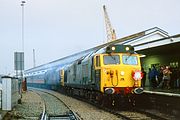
[(97, 71)]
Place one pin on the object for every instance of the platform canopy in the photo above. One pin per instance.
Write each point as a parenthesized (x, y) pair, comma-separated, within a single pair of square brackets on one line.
[(142, 41)]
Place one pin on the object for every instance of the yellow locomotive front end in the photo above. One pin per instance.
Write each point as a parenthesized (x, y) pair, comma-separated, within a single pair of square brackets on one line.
[(120, 71)]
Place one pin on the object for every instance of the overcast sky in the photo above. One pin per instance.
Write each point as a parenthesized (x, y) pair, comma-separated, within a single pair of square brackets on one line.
[(57, 28)]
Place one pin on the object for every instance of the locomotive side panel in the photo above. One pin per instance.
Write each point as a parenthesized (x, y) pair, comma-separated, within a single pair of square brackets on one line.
[(79, 74)]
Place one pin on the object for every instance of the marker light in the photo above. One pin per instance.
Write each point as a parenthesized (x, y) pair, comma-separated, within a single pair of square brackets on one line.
[(127, 48), (137, 75), (113, 48), (122, 73)]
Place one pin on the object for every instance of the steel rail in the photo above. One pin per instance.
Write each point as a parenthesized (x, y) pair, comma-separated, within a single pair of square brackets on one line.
[(71, 114), (118, 114), (43, 115)]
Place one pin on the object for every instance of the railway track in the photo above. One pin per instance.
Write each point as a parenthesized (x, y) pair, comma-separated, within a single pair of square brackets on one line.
[(127, 114), (130, 113), (133, 114), (136, 115), (54, 108)]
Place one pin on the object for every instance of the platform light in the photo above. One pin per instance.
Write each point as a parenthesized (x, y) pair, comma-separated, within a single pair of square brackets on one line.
[(142, 56)]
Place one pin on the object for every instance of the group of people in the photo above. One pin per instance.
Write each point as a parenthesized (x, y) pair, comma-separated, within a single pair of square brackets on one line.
[(164, 77)]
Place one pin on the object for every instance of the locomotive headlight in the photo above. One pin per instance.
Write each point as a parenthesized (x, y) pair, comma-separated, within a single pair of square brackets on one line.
[(113, 48), (127, 48), (122, 73)]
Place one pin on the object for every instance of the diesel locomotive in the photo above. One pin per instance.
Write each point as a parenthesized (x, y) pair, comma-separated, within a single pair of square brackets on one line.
[(111, 70)]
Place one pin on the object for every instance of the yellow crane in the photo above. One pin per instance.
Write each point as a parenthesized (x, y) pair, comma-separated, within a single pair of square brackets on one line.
[(111, 35)]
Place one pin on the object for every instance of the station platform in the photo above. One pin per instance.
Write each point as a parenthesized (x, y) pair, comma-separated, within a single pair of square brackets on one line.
[(160, 91)]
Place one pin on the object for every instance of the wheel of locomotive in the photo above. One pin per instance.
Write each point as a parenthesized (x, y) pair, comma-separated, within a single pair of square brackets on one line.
[(106, 100), (120, 102), (129, 102), (132, 101)]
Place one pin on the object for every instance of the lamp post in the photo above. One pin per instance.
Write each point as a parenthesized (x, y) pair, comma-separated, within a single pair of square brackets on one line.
[(21, 69), (22, 4)]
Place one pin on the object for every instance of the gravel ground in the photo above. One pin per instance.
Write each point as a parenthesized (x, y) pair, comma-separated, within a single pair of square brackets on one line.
[(54, 106), (32, 106), (30, 109), (85, 110)]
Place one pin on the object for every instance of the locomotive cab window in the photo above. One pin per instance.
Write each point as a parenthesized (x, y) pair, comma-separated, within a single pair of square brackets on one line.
[(111, 59), (130, 60)]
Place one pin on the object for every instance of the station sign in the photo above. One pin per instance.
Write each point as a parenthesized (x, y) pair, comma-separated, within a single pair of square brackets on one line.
[(19, 60)]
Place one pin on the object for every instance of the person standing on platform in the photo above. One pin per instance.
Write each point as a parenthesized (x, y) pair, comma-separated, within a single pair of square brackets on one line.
[(178, 78), (167, 76), (150, 77), (176, 74), (144, 78), (160, 77), (173, 76), (154, 74)]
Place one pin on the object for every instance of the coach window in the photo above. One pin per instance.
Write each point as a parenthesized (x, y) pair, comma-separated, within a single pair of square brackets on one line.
[(97, 61)]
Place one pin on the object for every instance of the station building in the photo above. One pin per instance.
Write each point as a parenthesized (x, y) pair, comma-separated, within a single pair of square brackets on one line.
[(157, 48)]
